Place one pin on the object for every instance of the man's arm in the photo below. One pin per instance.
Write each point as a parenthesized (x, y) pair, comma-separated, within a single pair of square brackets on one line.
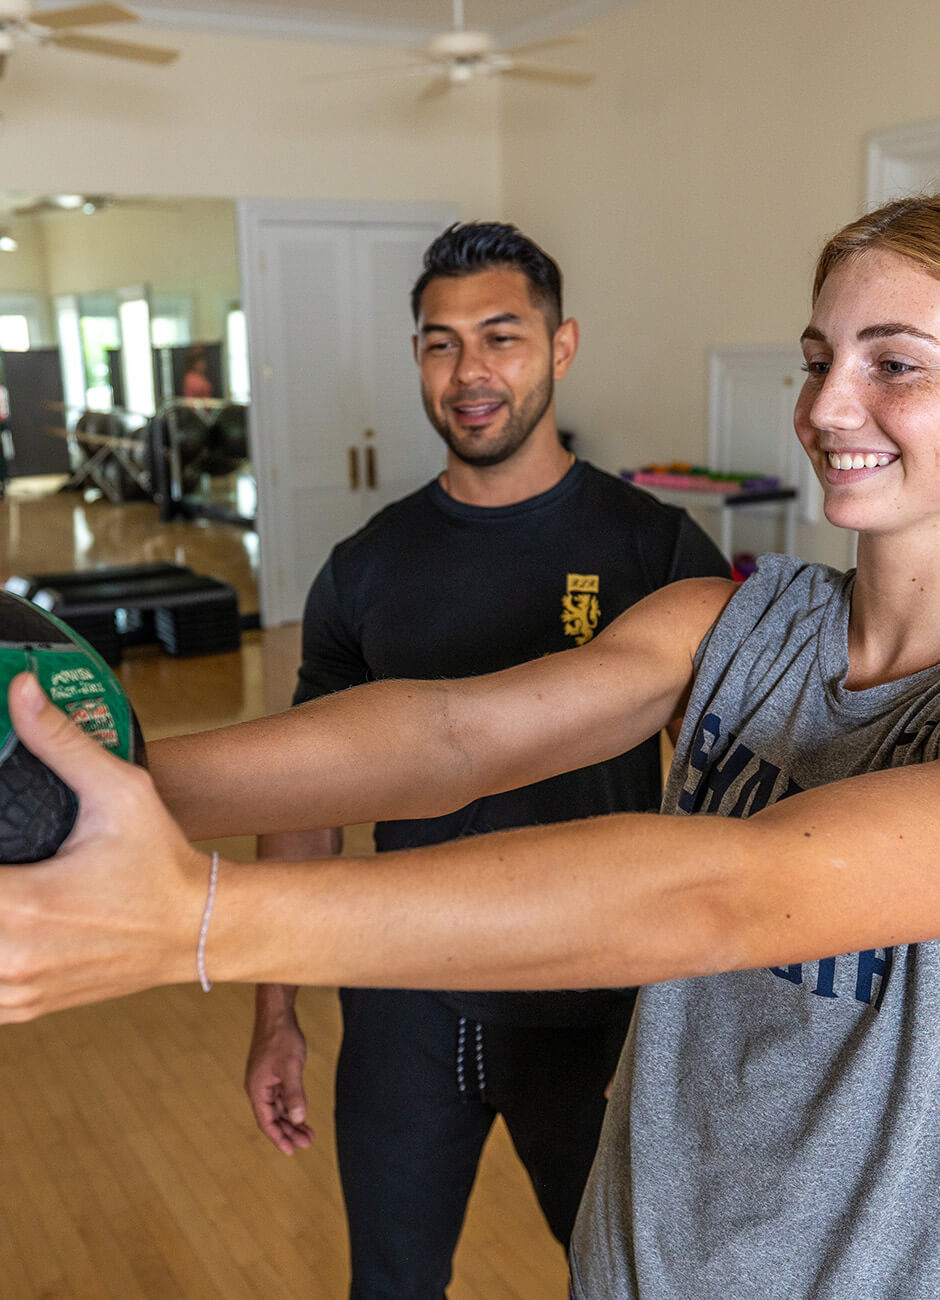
[(420, 749), (621, 900), (278, 1051)]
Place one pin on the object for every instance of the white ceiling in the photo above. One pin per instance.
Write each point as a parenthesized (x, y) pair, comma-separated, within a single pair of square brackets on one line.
[(389, 22)]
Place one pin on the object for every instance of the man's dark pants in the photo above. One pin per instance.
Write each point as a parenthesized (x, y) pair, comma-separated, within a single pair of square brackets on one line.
[(418, 1088)]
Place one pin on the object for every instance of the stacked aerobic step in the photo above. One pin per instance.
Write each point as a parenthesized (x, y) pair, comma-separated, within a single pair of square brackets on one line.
[(188, 613), (201, 619)]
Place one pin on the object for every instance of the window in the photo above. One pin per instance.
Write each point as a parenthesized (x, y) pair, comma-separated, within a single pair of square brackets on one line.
[(170, 320), (14, 334), (21, 322), (100, 335), (70, 350), (136, 356), (236, 348)]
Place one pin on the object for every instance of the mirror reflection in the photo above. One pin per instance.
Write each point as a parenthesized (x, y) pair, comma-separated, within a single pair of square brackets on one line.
[(124, 386)]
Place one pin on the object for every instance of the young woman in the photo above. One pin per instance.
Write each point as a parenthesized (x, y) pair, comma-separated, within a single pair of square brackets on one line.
[(783, 1136), (773, 1131)]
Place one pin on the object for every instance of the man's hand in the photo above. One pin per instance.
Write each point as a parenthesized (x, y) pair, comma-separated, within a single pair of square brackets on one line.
[(118, 908), (274, 1073)]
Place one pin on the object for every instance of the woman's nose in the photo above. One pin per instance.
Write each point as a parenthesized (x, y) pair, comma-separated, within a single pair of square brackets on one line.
[(838, 403)]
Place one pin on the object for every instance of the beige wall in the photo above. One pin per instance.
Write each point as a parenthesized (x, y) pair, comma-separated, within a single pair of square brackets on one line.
[(25, 270), (686, 191), (241, 117), (234, 117), (183, 246)]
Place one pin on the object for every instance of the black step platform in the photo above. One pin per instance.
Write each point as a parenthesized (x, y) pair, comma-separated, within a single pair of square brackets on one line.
[(188, 613)]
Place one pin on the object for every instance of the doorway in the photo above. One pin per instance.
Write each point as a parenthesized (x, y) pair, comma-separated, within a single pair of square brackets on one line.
[(902, 160), (339, 426)]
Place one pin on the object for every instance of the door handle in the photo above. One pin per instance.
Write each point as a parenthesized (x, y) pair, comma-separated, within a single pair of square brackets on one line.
[(372, 477), (354, 469)]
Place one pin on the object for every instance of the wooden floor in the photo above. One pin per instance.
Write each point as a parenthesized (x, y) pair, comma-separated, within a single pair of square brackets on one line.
[(131, 1166)]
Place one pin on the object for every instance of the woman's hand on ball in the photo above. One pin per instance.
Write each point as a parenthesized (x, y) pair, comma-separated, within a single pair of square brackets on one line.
[(118, 908)]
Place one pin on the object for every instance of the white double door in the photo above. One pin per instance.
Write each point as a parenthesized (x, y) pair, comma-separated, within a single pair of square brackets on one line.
[(338, 429)]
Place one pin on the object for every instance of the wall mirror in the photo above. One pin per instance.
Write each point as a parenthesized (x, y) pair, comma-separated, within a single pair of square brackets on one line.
[(123, 357)]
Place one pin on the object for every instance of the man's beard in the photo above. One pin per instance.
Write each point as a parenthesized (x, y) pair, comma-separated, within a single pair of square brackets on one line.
[(520, 421)]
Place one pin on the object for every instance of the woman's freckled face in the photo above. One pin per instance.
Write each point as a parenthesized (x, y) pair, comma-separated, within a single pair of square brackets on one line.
[(868, 415)]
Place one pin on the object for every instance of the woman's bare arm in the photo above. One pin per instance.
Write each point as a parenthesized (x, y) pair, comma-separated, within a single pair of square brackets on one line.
[(633, 898)]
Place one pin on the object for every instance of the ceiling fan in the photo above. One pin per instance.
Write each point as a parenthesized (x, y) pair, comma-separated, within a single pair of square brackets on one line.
[(21, 23), (88, 204), (455, 57)]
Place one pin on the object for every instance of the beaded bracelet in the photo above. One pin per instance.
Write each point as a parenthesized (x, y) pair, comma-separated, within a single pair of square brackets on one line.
[(206, 917)]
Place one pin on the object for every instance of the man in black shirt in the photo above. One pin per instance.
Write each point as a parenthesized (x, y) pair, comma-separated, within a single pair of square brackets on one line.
[(517, 550)]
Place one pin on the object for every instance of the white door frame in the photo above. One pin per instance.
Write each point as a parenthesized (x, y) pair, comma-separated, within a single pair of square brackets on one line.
[(252, 215), (897, 159), (722, 364)]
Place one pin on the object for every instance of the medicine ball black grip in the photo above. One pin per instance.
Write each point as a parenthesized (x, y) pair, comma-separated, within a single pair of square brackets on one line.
[(37, 810)]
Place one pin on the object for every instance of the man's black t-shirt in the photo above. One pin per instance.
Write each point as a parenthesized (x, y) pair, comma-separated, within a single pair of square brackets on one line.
[(434, 588)]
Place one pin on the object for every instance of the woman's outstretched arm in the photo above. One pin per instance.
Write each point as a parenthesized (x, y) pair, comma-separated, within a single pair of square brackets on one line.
[(633, 898)]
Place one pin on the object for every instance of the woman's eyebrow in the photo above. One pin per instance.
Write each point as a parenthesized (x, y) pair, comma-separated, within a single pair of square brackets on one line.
[(888, 330), (895, 327)]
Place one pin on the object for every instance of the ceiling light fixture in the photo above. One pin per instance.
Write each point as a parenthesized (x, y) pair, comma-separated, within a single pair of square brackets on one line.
[(457, 56)]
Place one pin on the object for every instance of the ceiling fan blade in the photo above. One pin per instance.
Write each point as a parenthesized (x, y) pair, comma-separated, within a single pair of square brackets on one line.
[(550, 44), (116, 49), (560, 76), (82, 16), (439, 86)]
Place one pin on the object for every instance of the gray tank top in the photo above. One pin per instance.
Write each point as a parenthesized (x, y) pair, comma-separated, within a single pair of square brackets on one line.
[(776, 1133)]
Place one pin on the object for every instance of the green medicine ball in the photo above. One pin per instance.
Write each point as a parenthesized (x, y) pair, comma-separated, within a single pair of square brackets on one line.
[(37, 809)]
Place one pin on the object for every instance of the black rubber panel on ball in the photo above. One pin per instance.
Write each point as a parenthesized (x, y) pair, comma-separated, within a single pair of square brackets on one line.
[(24, 624), (37, 810)]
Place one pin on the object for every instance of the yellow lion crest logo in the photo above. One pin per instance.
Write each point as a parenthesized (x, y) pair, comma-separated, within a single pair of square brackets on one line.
[(580, 608)]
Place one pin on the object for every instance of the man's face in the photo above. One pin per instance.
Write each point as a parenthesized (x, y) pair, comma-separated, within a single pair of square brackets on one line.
[(487, 363)]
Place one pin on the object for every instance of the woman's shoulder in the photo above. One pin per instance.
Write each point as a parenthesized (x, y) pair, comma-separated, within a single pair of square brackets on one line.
[(786, 577), (781, 594)]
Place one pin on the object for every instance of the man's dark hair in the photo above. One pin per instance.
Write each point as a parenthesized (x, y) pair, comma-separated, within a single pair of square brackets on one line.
[(473, 246)]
